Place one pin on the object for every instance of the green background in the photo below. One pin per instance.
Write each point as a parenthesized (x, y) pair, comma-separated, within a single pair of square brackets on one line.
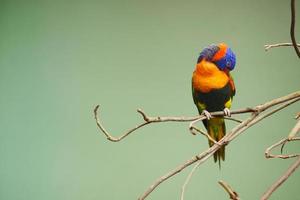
[(58, 59)]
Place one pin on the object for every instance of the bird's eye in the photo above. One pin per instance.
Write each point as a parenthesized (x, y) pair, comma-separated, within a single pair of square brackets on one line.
[(228, 64)]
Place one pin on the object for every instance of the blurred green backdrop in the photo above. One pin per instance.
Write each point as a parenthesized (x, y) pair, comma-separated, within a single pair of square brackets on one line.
[(58, 59)]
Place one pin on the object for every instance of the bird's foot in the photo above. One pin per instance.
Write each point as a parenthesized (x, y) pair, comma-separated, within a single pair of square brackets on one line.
[(206, 114), (227, 112)]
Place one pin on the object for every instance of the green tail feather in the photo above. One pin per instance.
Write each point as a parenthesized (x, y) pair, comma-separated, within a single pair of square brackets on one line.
[(216, 129)]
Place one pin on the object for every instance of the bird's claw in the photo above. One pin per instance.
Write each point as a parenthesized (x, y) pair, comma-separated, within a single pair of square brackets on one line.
[(227, 112), (206, 114)]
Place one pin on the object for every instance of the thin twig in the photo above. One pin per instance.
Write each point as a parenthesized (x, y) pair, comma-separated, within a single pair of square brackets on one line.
[(281, 142), (187, 180), (192, 124), (292, 31), (269, 46), (232, 194), (281, 180), (203, 133)]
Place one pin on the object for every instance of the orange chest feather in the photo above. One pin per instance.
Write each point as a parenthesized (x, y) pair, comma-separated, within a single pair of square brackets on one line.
[(207, 76)]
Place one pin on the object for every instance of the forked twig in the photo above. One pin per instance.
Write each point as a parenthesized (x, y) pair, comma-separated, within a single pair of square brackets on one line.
[(291, 137), (281, 142)]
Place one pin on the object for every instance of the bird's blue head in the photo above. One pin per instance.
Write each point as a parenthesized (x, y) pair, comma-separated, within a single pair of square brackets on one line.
[(224, 58), (221, 55)]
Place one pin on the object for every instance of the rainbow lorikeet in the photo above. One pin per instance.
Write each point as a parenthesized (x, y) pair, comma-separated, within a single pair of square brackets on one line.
[(213, 89)]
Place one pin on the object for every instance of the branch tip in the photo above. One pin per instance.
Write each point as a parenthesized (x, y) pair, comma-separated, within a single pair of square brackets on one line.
[(96, 108), (282, 146), (143, 114), (232, 194), (285, 44)]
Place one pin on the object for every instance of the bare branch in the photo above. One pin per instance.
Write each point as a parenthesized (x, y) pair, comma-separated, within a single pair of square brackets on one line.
[(281, 180), (291, 137), (274, 102), (253, 119), (202, 157), (193, 128), (281, 142), (292, 31), (148, 120), (232, 194), (269, 46), (284, 105)]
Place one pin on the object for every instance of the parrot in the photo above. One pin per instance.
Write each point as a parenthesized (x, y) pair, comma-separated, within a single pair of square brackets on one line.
[(213, 90)]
